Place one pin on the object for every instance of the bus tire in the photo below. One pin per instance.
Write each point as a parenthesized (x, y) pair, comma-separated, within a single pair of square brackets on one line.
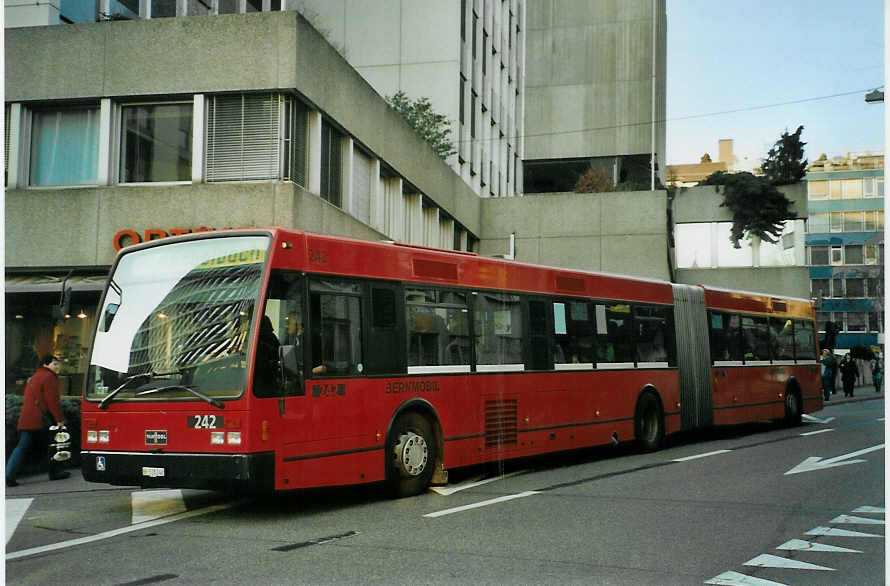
[(793, 410), (411, 455), (649, 423)]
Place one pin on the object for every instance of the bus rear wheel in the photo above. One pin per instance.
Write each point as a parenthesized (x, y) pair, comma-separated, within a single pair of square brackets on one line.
[(793, 411), (649, 423), (411, 455)]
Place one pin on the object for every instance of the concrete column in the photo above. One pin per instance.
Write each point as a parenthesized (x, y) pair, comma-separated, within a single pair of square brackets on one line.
[(313, 146), (430, 227), (378, 207), (16, 144), (347, 163), (446, 233), (104, 175), (413, 219), (198, 135), (715, 246)]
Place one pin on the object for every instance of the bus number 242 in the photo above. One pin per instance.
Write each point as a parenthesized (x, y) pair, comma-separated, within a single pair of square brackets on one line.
[(205, 421)]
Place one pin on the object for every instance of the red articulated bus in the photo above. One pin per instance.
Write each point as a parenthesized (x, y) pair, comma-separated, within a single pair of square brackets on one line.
[(276, 359)]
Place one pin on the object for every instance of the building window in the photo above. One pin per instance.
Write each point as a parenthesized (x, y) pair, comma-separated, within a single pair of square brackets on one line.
[(163, 8), (875, 323), (819, 255), (852, 188), (330, 163), (64, 147), (873, 187), (837, 222), (199, 7), (463, 88), (837, 255), (229, 6), (820, 288), (294, 151), (243, 136), (855, 321), (835, 189), (817, 223), (853, 254), (875, 287), (817, 189), (837, 288), (852, 221), (871, 254), (855, 288), (156, 143)]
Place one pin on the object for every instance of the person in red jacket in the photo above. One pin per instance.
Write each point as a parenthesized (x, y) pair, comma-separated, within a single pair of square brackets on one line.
[(41, 396)]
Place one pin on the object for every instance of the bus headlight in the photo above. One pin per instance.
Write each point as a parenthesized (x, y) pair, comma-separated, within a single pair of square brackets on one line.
[(234, 438), (92, 436), (104, 436), (217, 438)]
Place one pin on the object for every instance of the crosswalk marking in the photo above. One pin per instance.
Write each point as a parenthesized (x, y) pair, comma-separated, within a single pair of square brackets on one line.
[(446, 491), (868, 509), (857, 520), (737, 579), (832, 532), (773, 561), (15, 512), (801, 545)]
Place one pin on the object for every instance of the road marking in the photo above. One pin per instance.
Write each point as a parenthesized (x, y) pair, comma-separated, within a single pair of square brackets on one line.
[(801, 545), (868, 509), (687, 458), (494, 501), (817, 432), (736, 579), (773, 561), (832, 532), (446, 491), (813, 419), (880, 419), (115, 532), (817, 463), (146, 505), (857, 520), (15, 512)]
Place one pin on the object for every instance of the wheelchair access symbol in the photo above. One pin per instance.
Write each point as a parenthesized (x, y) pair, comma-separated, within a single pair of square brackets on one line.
[(100, 463)]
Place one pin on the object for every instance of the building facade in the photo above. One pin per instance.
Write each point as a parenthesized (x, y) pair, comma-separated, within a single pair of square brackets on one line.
[(845, 245)]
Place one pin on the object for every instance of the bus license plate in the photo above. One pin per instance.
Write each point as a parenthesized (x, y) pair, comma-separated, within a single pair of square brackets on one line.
[(152, 472)]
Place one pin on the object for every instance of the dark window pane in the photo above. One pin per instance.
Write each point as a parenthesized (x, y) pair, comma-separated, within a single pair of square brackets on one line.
[(157, 143)]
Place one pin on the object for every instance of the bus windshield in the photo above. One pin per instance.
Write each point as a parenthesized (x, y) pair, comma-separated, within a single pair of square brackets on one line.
[(175, 321)]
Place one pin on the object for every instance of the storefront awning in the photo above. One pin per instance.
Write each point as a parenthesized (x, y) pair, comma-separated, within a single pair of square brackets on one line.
[(53, 283)]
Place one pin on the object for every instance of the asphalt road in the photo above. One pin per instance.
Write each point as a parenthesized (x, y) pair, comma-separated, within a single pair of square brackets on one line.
[(801, 505)]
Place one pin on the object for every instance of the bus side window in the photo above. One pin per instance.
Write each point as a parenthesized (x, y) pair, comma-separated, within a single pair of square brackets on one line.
[(755, 337), (279, 352), (651, 334), (336, 329), (572, 333), (614, 328), (804, 340), (725, 337), (781, 338)]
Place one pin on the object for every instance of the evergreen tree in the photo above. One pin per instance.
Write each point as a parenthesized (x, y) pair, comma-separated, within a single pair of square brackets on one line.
[(433, 127), (785, 162)]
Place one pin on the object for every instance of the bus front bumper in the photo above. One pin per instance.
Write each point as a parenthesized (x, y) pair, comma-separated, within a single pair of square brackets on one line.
[(203, 471)]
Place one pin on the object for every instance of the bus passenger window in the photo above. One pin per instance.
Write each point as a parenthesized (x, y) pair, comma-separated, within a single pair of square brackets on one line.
[(804, 340), (572, 333), (438, 328), (781, 338), (498, 329), (651, 334), (336, 329), (614, 328), (755, 338), (725, 337)]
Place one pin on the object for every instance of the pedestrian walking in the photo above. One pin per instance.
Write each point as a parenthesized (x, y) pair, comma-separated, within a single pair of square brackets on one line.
[(877, 372), (827, 374), (849, 374), (41, 400)]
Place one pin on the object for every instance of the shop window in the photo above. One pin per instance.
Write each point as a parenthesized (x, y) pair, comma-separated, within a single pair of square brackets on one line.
[(64, 147), (497, 319), (156, 143)]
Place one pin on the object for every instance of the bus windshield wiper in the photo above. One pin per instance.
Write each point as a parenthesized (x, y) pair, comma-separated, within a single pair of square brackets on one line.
[(146, 376), (215, 402)]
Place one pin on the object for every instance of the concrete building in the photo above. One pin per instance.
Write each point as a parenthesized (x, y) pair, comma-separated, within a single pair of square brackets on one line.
[(689, 174), (845, 245), (120, 131)]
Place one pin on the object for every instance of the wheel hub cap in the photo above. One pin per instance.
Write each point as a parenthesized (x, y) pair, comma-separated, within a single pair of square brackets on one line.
[(411, 454)]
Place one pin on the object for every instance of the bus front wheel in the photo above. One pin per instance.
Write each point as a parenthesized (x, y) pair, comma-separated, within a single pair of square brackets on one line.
[(411, 455), (649, 423)]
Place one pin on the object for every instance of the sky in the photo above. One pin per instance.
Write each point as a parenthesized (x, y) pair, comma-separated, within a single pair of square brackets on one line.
[(727, 55)]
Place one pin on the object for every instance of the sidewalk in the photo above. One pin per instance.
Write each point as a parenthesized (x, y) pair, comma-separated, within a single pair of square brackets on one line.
[(41, 484), (863, 393)]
